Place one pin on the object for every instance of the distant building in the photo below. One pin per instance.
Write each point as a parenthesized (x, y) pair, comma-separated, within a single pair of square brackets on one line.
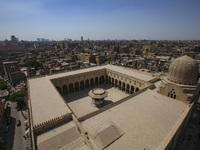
[(13, 73), (14, 39), (10, 67), (81, 38), (42, 40), (87, 57), (9, 49), (31, 72), (17, 77), (100, 59), (64, 45)]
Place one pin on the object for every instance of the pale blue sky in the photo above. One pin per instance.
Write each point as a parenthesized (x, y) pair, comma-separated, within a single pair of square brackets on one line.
[(100, 19)]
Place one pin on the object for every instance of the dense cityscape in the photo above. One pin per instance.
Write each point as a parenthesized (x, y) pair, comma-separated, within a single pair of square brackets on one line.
[(45, 57)]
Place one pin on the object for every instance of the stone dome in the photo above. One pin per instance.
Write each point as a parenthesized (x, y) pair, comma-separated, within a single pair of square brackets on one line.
[(184, 70)]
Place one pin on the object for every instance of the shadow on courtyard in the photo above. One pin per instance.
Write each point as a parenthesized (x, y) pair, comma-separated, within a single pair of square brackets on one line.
[(84, 93)]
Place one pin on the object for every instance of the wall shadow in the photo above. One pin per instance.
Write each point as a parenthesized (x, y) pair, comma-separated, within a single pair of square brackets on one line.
[(83, 93), (9, 136)]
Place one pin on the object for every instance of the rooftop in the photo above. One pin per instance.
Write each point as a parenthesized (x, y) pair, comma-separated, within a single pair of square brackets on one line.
[(145, 120), (152, 117), (63, 137), (45, 100), (130, 72)]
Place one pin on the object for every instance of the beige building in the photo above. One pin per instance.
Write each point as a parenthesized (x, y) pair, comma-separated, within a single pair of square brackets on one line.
[(140, 111)]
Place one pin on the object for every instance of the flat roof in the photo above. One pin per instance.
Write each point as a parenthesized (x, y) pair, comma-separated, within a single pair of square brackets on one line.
[(130, 72), (63, 137), (148, 120), (46, 102)]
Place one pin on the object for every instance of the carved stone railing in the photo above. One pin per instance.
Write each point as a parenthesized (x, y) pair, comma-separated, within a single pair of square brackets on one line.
[(51, 123)]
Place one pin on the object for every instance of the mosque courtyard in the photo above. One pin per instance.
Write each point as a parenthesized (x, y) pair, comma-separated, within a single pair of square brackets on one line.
[(81, 103)]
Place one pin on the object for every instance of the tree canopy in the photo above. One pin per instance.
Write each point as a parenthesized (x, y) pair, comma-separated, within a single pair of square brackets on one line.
[(3, 85), (19, 97), (33, 64)]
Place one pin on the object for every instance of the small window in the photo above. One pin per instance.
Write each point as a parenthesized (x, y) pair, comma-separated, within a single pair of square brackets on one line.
[(174, 96)]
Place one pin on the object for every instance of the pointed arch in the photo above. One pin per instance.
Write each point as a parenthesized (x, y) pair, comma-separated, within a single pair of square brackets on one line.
[(82, 85), (123, 86), (76, 86), (71, 88), (91, 82), (132, 89), (65, 90), (116, 83), (101, 80), (127, 88)]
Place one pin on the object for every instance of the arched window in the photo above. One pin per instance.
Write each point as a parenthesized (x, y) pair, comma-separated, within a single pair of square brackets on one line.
[(172, 94), (132, 89)]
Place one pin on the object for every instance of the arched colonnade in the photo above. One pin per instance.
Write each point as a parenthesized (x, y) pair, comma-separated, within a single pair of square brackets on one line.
[(93, 79)]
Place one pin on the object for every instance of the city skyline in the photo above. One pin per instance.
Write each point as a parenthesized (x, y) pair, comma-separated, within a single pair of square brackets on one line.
[(99, 20)]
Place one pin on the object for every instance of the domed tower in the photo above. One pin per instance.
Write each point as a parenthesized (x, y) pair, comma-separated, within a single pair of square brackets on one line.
[(181, 81)]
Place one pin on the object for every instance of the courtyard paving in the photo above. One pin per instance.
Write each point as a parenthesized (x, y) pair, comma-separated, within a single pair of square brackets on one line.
[(81, 103)]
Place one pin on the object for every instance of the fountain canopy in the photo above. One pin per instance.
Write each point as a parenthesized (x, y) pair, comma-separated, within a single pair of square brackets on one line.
[(98, 95)]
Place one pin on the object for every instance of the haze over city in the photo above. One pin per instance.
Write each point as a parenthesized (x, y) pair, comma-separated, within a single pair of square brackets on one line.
[(99, 20)]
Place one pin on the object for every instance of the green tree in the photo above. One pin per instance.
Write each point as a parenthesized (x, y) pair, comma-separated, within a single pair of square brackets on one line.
[(33, 64), (3, 85), (19, 97)]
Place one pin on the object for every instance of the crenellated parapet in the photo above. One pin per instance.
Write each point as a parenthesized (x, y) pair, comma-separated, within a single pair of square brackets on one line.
[(38, 128)]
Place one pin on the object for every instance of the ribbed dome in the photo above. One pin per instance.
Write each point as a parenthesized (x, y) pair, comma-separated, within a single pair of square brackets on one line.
[(184, 70)]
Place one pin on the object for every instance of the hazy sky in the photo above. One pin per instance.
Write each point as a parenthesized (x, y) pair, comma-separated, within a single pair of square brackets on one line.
[(100, 19)]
